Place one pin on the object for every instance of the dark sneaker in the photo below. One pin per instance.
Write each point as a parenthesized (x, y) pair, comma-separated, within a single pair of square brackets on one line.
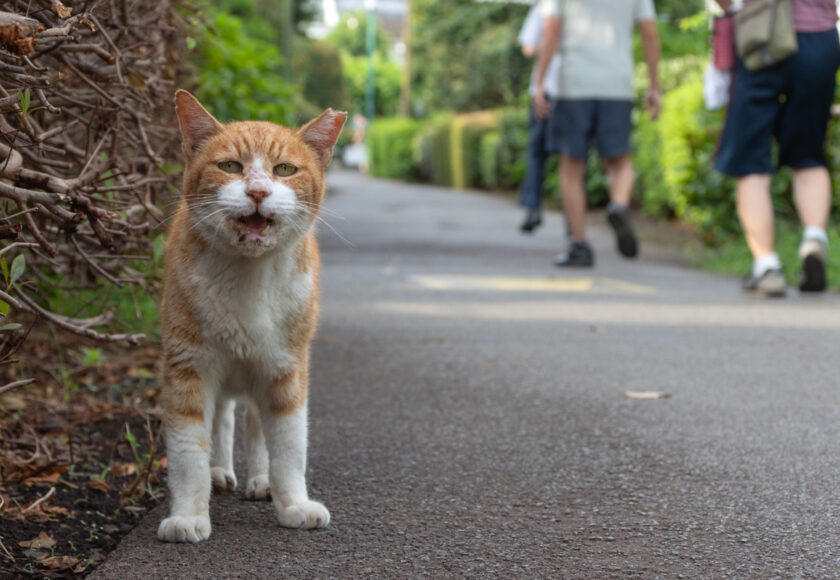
[(814, 255), (533, 220), (624, 236), (579, 255), (771, 284)]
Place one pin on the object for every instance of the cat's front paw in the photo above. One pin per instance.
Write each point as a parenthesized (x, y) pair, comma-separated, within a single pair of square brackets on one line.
[(258, 488), (223, 480), (184, 529), (305, 514)]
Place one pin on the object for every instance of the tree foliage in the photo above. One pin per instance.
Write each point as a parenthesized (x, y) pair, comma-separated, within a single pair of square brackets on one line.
[(241, 76), (320, 75), (350, 35), (387, 84), (676, 9), (465, 56)]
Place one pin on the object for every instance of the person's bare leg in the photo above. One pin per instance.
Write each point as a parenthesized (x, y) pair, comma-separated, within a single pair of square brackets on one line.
[(621, 178), (755, 210), (572, 174), (812, 196)]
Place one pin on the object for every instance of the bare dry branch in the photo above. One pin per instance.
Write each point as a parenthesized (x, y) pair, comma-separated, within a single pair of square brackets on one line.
[(15, 385), (85, 120)]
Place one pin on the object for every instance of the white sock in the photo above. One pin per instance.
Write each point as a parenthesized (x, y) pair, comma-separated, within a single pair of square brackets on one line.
[(815, 233), (766, 262)]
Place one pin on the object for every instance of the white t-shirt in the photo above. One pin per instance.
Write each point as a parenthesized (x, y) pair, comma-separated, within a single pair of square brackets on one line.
[(596, 45), (530, 36)]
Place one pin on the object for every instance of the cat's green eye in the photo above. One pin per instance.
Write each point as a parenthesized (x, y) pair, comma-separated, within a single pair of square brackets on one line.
[(230, 167), (284, 170)]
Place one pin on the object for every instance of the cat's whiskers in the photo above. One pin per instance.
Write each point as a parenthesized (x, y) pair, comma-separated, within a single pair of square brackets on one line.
[(321, 209), (315, 216), (208, 216)]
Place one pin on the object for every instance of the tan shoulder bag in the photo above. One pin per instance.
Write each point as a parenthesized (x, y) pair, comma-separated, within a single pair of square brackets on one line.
[(764, 33)]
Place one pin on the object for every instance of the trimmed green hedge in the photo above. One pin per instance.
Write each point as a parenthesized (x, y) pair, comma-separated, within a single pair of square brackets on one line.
[(466, 133), (390, 145), (488, 160), (432, 151)]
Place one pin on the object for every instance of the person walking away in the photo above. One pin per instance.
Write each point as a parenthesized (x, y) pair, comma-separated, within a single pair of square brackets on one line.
[(791, 102), (594, 103), (537, 154)]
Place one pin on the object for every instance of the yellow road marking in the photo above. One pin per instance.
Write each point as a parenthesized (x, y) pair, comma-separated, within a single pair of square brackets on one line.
[(526, 284)]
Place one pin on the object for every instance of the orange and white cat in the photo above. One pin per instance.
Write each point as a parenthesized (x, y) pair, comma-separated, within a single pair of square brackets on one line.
[(239, 309)]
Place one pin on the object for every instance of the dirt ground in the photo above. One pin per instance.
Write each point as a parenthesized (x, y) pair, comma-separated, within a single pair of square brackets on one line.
[(81, 456)]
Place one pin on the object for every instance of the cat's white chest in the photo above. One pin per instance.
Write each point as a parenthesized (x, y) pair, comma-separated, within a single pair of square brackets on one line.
[(246, 308)]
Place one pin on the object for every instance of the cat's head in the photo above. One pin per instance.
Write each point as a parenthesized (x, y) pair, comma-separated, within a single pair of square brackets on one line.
[(253, 186)]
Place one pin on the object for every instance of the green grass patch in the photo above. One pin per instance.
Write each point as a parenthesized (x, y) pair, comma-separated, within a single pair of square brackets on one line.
[(734, 257)]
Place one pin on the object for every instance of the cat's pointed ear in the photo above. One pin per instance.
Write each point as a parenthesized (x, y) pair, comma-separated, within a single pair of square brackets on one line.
[(197, 125), (322, 133)]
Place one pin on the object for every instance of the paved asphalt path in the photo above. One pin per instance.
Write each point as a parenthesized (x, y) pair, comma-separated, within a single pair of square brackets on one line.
[(468, 416)]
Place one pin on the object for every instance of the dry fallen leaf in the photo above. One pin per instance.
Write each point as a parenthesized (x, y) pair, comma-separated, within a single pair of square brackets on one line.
[(99, 485), (646, 395), (59, 562), (123, 469), (44, 540), (50, 478), (53, 509)]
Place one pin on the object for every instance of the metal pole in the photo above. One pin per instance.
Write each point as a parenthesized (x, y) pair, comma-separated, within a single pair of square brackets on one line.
[(405, 96), (287, 13), (370, 85)]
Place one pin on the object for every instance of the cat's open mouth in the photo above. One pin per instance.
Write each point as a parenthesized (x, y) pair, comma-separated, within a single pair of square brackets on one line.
[(253, 226)]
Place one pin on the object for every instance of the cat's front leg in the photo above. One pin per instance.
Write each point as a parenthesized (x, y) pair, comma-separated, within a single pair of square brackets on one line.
[(221, 460), (285, 427), (258, 487), (188, 416)]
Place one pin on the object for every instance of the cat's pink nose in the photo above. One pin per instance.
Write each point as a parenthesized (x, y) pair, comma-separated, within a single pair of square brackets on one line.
[(257, 194)]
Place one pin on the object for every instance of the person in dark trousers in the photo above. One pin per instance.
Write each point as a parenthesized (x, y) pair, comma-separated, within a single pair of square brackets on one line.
[(791, 102), (595, 96), (531, 193)]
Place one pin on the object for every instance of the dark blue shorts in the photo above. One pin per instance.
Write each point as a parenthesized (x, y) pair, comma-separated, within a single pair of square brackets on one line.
[(575, 123), (790, 101)]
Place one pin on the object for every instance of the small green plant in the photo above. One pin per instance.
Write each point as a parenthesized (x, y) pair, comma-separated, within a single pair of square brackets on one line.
[(11, 276), (93, 357), (25, 97), (132, 442)]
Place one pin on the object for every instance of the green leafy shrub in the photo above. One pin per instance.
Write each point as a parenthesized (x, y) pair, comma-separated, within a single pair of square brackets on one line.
[(390, 145), (513, 143), (466, 132), (488, 160), (387, 83), (432, 151), (241, 77), (320, 74), (675, 163)]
